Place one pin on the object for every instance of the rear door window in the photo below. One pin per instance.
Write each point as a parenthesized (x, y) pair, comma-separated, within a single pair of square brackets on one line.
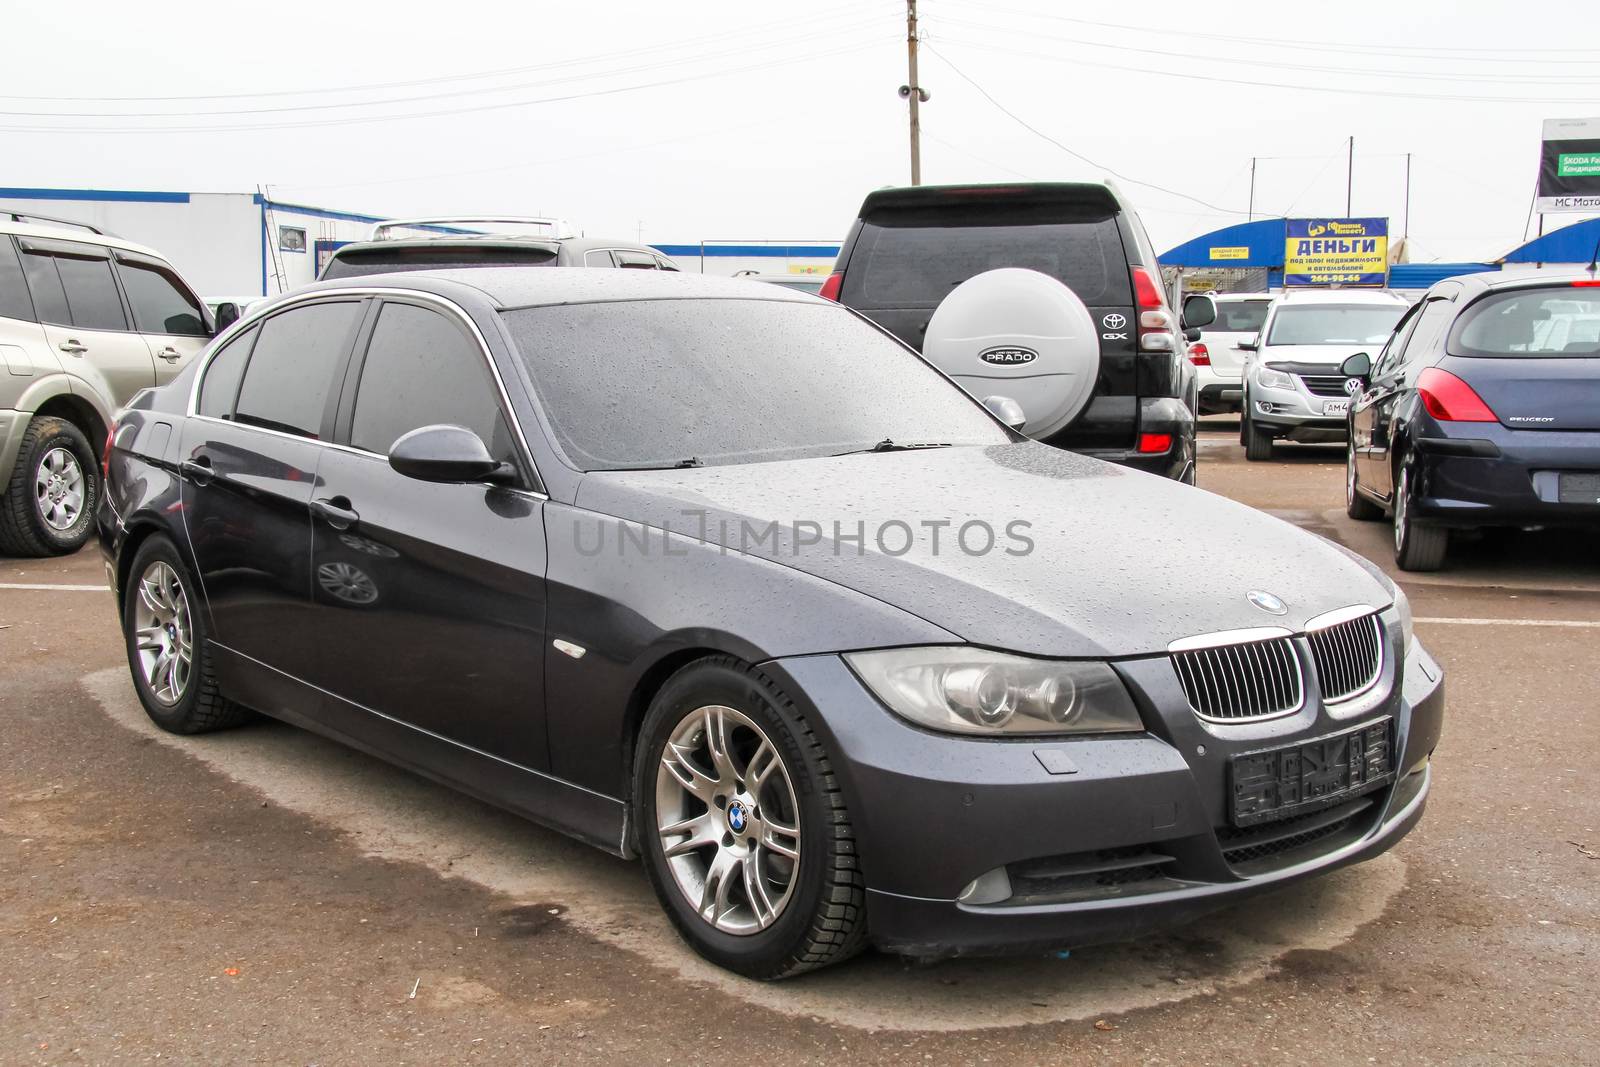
[(92, 293), (44, 283), (161, 303), (221, 384), (913, 258), (290, 372)]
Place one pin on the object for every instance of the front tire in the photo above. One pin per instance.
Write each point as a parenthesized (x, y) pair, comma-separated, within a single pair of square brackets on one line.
[(1416, 548), (49, 502), (1257, 445), (164, 628), (743, 827)]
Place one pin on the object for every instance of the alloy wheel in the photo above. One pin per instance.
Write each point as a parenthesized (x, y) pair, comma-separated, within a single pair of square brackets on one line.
[(58, 489), (1349, 477), (727, 819), (1401, 509), (162, 636)]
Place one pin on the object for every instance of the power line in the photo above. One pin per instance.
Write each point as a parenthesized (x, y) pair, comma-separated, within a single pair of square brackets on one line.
[(766, 64), (1019, 120), (676, 46)]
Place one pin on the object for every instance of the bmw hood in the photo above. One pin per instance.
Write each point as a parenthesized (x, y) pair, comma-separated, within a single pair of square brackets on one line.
[(1018, 546)]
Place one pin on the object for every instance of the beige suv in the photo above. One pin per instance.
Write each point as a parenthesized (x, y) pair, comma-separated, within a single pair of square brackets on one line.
[(86, 321)]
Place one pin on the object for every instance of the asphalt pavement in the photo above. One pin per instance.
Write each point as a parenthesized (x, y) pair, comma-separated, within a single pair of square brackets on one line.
[(262, 895)]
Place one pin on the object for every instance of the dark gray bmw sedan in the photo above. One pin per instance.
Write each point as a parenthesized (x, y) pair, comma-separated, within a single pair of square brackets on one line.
[(723, 577)]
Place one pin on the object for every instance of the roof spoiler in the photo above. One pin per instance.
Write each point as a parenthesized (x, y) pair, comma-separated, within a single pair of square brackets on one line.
[(28, 216), (455, 224), (1096, 195)]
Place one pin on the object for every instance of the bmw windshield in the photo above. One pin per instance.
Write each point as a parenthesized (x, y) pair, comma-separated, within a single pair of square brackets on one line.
[(663, 383)]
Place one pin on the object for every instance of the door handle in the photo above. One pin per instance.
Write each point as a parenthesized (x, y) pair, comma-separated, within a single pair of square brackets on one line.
[(170, 354), (71, 345), (336, 512), (197, 470)]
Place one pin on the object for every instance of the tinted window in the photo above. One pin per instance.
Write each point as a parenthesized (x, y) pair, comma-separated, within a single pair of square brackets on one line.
[(14, 301), (49, 299), (598, 258), (291, 369), (636, 260), (387, 260), (653, 383), (1537, 322), (908, 259), (1389, 358), (1334, 324), (160, 303), (1239, 316), (422, 369), (221, 383), (91, 293)]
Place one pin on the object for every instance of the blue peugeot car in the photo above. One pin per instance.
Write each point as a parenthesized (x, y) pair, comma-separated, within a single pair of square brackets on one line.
[(1482, 410)]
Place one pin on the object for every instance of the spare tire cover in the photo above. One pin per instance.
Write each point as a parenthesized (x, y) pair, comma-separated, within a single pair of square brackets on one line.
[(1018, 333)]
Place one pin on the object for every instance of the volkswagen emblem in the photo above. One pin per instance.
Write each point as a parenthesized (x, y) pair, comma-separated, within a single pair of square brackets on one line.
[(1008, 355), (1352, 386), (1114, 321), (1268, 603), (738, 817)]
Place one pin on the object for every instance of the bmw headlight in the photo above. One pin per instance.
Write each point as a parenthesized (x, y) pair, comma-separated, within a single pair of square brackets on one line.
[(1268, 378), (975, 691), (1402, 605)]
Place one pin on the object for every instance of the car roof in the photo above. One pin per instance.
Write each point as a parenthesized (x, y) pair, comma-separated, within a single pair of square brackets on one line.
[(503, 240), (1378, 297), (71, 233), (516, 287), (1535, 277)]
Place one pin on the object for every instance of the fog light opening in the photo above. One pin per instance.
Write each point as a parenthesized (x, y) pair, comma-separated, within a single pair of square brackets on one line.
[(990, 888)]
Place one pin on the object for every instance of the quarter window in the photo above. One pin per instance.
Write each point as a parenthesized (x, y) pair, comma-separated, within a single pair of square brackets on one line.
[(160, 303), (91, 293), (14, 302), (422, 370), (221, 384), (291, 369)]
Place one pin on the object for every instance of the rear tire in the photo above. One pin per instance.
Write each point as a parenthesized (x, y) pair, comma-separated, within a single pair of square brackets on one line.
[(772, 768), (1416, 548), (1356, 506), (1257, 445), (49, 501), (164, 628)]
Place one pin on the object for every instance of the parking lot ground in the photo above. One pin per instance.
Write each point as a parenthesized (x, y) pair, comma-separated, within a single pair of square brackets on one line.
[(265, 896)]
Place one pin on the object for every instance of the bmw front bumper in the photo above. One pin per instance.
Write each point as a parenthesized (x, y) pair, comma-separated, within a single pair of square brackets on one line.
[(933, 814)]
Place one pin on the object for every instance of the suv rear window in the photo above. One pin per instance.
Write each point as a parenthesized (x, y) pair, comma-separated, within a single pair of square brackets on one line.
[(389, 260), (913, 257), (1536, 322)]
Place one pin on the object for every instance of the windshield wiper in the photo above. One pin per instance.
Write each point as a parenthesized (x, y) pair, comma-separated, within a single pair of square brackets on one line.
[(682, 464), (888, 445)]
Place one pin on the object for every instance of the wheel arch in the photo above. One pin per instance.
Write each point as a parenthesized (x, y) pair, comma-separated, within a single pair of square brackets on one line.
[(644, 691), (75, 409)]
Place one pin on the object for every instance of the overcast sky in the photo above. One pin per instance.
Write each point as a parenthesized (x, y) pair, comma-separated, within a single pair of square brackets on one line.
[(717, 120)]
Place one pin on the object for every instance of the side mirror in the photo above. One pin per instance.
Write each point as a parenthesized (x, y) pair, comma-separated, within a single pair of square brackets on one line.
[(1356, 366), (445, 454), (1192, 334), (1252, 345), (1007, 411), (227, 315), (1199, 310)]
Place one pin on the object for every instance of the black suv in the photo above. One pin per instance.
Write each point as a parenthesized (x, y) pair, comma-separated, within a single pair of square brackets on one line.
[(911, 246)]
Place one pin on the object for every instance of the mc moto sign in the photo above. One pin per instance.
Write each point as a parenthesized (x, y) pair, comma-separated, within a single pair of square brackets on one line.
[(1336, 252), (1569, 166)]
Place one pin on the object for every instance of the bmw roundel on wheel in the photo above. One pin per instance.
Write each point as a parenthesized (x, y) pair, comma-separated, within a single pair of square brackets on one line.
[(596, 547)]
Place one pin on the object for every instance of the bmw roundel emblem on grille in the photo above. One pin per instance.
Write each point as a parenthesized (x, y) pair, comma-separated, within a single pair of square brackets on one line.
[(1114, 321), (1008, 355), (1352, 386), (737, 816), (1268, 603)]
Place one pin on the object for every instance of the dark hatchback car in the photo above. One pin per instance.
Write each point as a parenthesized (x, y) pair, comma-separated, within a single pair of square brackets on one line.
[(909, 247), (592, 546), (1482, 410)]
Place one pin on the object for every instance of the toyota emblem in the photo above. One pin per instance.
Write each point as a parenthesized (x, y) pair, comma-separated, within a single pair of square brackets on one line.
[(1114, 321)]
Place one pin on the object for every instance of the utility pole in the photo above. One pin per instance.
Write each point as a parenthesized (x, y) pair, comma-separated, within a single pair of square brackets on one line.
[(913, 93), (1405, 225), (1250, 208), (1349, 174)]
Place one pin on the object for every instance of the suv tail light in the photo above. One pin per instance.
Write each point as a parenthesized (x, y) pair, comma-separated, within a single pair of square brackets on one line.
[(1155, 321), (830, 288), (1449, 399), (1199, 354)]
